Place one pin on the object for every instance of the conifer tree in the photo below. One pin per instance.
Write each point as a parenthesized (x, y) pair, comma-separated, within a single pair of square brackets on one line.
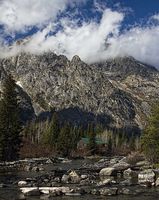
[(150, 137), (65, 140), (10, 126), (92, 138), (52, 134), (110, 146)]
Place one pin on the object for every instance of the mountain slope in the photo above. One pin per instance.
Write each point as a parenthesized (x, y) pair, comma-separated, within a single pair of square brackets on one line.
[(118, 92)]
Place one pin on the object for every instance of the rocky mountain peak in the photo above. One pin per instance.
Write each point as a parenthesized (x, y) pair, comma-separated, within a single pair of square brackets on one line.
[(121, 67), (76, 59), (117, 92)]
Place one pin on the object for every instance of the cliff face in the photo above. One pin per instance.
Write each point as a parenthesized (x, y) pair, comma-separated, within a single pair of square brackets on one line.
[(25, 102), (118, 92)]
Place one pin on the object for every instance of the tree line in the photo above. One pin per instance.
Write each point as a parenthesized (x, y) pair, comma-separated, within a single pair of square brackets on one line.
[(10, 125), (63, 137)]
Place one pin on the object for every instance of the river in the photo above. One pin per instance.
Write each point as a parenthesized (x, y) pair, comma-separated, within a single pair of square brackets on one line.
[(12, 192)]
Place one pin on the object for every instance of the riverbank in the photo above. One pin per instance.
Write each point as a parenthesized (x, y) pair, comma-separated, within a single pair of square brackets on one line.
[(97, 177)]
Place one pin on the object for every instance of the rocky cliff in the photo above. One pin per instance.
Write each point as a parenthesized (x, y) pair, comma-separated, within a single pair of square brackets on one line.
[(118, 92)]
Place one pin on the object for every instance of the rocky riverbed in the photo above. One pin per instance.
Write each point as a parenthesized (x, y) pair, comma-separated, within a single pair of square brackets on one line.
[(91, 178)]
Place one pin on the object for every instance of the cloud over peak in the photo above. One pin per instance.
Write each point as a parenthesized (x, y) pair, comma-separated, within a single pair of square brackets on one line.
[(93, 40)]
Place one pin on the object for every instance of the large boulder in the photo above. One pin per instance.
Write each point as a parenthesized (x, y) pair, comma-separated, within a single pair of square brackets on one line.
[(52, 190), (108, 191), (65, 178), (104, 182), (31, 191), (108, 171), (74, 177), (121, 166), (22, 183), (35, 191), (143, 164), (146, 177), (130, 173), (85, 182), (157, 182), (127, 191)]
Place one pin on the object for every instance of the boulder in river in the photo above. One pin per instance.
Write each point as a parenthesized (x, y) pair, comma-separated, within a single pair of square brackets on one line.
[(36, 191), (74, 177), (65, 178), (108, 191), (130, 173), (22, 183), (31, 191), (146, 177), (108, 171), (105, 182), (121, 166), (157, 182), (84, 176)]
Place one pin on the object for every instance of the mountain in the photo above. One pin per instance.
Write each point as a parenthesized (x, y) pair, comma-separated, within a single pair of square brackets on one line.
[(117, 92), (26, 109)]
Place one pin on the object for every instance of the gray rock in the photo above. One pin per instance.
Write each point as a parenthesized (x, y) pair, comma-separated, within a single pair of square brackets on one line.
[(46, 180), (146, 177), (33, 191), (57, 179), (84, 176), (127, 182), (85, 182), (22, 183), (108, 171), (41, 169), (114, 160), (121, 166), (108, 191), (95, 192), (130, 173), (49, 161), (143, 164), (72, 194), (27, 168), (127, 191), (104, 182), (74, 177), (55, 190), (65, 178), (157, 182), (35, 169)]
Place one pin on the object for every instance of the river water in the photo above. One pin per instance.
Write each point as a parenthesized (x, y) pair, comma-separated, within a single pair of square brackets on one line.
[(12, 192)]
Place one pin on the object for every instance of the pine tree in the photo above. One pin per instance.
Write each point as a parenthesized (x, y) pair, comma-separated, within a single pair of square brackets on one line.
[(110, 146), (65, 140), (150, 137), (92, 139), (10, 126), (52, 134)]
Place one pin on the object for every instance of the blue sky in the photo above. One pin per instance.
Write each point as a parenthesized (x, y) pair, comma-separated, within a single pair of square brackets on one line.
[(83, 27)]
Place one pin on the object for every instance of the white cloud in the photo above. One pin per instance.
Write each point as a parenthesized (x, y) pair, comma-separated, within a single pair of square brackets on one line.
[(141, 43), (87, 41), (16, 15), (156, 17), (92, 41)]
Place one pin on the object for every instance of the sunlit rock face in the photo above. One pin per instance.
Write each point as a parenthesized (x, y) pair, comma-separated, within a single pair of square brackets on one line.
[(117, 93)]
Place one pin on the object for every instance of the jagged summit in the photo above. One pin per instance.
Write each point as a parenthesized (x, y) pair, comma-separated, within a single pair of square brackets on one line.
[(117, 92), (76, 58), (124, 66)]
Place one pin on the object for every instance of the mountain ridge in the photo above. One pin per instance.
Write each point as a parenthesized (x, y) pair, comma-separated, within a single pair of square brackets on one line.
[(117, 92)]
